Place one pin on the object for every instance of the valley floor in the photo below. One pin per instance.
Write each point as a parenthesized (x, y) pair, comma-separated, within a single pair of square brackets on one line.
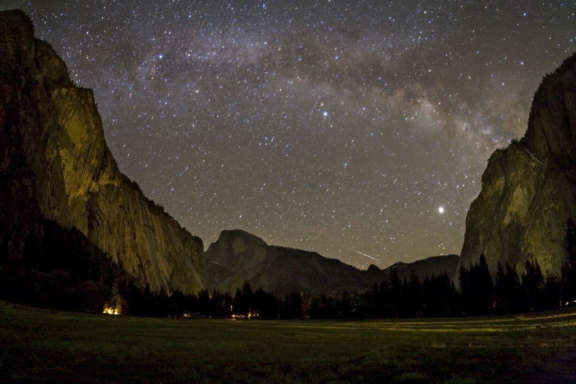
[(39, 345)]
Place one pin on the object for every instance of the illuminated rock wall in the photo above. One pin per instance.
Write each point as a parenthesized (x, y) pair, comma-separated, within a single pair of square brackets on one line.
[(54, 128), (529, 189)]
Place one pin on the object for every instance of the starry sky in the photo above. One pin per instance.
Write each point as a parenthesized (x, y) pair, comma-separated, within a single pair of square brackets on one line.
[(357, 129)]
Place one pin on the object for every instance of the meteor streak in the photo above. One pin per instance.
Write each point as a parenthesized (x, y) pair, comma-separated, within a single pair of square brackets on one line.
[(365, 255)]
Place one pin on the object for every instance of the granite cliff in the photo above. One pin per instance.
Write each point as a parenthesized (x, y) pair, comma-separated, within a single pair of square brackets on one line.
[(55, 166), (529, 188), (238, 256)]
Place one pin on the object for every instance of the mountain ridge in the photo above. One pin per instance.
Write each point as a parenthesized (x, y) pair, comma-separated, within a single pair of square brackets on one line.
[(239, 256)]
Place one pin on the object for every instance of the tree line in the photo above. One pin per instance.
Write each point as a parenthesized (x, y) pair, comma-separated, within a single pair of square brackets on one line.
[(60, 270), (246, 303), (479, 293)]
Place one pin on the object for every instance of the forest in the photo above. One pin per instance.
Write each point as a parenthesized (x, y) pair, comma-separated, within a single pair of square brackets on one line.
[(80, 278)]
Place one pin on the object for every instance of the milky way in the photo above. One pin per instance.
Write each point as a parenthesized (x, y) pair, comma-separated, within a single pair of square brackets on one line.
[(357, 129)]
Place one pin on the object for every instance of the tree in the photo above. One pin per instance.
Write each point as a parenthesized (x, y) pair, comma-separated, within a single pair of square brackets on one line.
[(477, 288), (204, 303), (410, 305), (89, 297), (508, 290), (532, 281), (568, 275), (291, 307), (552, 293), (438, 296), (265, 304), (395, 294), (243, 303), (323, 307)]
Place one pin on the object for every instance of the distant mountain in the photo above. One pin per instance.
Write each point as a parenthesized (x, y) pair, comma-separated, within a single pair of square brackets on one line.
[(528, 192), (431, 266), (56, 168), (238, 256)]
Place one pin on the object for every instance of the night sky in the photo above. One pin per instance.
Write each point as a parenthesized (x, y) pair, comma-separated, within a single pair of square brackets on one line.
[(357, 129)]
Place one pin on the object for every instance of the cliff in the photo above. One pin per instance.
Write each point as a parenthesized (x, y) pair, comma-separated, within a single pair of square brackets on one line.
[(529, 189), (55, 165), (238, 256)]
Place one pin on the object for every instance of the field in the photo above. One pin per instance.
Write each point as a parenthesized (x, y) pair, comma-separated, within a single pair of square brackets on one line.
[(46, 346)]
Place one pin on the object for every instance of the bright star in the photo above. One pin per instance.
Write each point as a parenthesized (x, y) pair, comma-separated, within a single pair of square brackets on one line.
[(441, 210)]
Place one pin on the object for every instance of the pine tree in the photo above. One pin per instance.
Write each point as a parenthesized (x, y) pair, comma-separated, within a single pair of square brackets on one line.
[(532, 282), (568, 276), (477, 288), (508, 290)]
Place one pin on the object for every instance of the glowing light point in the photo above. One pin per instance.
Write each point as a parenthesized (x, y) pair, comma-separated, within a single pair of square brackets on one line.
[(441, 210), (109, 310)]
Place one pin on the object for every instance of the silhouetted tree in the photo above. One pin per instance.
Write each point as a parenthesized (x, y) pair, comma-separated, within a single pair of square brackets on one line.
[(89, 297), (265, 304), (204, 302), (291, 306), (568, 275), (323, 307), (508, 290), (477, 288), (438, 297), (551, 293), (243, 300), (532, 281), (219, 305), (412, 303)]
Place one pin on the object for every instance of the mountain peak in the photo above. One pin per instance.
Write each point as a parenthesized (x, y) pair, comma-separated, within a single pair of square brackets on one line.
[(228, 234), (551, 129)]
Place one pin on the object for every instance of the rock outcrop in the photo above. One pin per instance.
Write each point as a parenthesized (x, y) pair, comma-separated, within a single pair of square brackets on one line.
[(54, 163), (238, 257), (529, 189)]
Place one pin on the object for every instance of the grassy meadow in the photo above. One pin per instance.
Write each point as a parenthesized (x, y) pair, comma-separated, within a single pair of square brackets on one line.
[(38, 345)]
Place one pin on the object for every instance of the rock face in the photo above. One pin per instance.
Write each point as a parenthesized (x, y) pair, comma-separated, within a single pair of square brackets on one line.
[(54, 161), (529, 189), (238, 257)]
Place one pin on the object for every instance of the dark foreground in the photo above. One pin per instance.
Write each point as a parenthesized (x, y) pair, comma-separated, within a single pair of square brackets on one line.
[(45, 346)]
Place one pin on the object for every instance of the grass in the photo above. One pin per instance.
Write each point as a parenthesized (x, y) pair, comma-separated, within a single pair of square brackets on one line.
[(39, 345)]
